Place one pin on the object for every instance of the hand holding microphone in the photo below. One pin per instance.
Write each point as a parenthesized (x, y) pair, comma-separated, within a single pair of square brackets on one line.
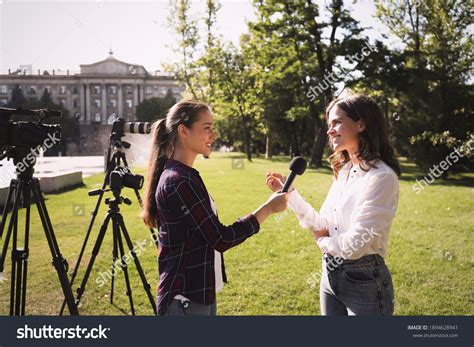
[(278, 201), (277, 182)]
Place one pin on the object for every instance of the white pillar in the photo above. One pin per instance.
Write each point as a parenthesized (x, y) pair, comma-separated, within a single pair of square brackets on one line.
[(135, 102), (82, 101), (88, 104), (103, 103), (142, 92), (120, 100)]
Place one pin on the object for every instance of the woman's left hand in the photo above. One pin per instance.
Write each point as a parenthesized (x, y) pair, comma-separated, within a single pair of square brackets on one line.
[(320, 233)]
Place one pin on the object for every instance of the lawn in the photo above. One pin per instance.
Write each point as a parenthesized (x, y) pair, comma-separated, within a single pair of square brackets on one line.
[(430, 250)]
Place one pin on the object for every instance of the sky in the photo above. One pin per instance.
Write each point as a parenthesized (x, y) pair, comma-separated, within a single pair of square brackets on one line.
[(64, 34)]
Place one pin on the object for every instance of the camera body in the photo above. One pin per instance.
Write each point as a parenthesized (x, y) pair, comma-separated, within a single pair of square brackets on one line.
[(121, 176), (27, 134)]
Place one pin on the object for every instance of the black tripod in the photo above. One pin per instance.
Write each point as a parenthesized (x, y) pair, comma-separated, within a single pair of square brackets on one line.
[(114, 160), (21, 189), (119, 230)]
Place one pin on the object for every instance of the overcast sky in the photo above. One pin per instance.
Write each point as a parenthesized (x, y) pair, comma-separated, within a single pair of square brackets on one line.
[(65, 34)]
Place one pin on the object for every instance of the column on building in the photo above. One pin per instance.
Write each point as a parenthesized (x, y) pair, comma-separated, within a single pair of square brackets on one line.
[(120, 100), (88, 103), (103, 103), (142, 92), (82, 101), (135, 102)]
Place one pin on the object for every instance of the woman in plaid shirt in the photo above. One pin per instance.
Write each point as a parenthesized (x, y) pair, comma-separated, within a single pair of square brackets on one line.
[(176, 201)]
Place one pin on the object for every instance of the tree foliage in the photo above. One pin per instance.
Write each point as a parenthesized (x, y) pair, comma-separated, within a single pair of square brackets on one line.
[(270, 91)]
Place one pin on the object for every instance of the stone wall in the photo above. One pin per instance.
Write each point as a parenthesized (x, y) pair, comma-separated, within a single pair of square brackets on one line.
[(94, 140)]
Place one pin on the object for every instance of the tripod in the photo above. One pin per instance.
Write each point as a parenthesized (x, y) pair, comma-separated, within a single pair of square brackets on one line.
[(21, 189), (119, 230), (115, 159)]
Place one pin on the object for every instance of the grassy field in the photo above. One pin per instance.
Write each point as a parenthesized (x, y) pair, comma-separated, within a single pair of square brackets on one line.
[(430, 250)]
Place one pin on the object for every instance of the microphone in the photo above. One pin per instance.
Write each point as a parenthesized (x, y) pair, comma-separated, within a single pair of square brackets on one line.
[(297, 167)]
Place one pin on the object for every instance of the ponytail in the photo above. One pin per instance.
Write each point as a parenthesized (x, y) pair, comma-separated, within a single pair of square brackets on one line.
[(158, 158)]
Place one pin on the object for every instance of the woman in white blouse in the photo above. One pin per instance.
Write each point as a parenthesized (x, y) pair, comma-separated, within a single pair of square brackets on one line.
[(353, 224)]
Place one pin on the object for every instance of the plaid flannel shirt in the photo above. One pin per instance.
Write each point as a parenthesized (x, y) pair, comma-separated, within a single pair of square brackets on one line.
[(189, 232)]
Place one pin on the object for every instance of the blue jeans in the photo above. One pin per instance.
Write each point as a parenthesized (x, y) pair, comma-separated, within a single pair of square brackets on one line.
[(190, 308), (356, 287)]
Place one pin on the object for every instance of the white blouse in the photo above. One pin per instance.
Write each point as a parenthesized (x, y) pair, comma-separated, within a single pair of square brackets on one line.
[(358, 211)]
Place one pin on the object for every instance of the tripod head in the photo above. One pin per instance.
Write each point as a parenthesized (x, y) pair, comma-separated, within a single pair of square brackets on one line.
[(119, 178), (115, 155), (117, 172)]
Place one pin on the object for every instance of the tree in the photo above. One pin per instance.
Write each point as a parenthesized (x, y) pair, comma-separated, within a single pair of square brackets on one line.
[(299, 45), (219, 75), (235, 91), (46, 97), (149, 110), (18, 98), (431, 90), (186, 45)]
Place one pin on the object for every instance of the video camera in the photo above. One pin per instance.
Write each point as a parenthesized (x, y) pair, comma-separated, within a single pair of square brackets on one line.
[(27, 134)]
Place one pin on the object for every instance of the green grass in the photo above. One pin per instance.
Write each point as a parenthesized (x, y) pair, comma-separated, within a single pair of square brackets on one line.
[(269, 272)]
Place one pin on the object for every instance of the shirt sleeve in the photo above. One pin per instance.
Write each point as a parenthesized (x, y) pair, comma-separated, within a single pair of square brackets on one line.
[(371, 218), (192, 204), (307, 216)]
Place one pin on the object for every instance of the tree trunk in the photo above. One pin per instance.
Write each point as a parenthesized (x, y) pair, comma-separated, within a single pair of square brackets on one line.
[(246, 133), (268, 148), (320, 139)]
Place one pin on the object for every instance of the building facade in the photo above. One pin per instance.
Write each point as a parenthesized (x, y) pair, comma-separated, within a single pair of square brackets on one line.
[(96, 96)]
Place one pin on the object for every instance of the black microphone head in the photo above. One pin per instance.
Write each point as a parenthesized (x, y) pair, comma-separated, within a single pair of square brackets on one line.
[(298, 165)]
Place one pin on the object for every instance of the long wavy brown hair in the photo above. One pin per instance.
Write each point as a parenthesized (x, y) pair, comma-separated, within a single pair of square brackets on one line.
[(164, 138), (374, 144)]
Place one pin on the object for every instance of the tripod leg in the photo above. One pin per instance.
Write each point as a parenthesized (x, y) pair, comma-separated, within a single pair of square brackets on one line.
[(6, 207), (114, 260), (20, 257), (14, 275), (145, 283), (95, 251), (109, 167), (25, 254), (15, 186), (125, 268), (88, 232), (19, 254), (59, 262)]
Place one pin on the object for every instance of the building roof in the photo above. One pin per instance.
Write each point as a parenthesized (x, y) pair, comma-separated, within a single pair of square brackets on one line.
[(110, 67), (113, 66)]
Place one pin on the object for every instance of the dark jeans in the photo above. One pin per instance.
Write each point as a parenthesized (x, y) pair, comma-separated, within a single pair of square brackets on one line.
[(356, 287), (190, 308)]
